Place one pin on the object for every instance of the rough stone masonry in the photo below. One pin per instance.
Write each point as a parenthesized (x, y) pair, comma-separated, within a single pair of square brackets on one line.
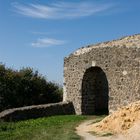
[(102, 77)]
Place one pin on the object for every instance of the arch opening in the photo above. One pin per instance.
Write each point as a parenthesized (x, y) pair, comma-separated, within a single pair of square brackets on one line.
[(94, 92)]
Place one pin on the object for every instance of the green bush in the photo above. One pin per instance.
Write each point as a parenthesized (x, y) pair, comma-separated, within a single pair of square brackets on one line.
[(26, 87)]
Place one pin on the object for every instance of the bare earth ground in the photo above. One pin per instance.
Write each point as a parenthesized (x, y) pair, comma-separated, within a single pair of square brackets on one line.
[(123, 124), (83, 131), (84, 128)]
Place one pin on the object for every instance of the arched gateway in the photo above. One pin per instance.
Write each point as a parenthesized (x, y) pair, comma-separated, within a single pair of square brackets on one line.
[(102, 77), (94, 91)]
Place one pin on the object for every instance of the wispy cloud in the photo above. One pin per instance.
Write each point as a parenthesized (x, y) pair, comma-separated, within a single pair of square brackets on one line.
[(47, 42), (61, 10), (39, 33), (45, 33)]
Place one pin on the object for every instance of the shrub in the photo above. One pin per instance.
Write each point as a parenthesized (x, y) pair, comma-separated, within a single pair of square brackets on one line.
[(26, 87)]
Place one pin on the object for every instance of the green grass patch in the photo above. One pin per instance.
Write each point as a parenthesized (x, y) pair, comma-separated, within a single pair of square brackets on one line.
[(50, 128), (105, 134), (97, 119)]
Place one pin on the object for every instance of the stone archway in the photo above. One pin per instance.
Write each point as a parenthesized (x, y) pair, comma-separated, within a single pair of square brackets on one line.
[(94, 92)]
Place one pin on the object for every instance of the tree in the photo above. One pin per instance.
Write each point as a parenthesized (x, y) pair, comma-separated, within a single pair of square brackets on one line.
[(26, 87)]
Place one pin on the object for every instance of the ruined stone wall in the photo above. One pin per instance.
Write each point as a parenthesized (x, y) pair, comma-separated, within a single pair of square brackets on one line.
[(120, 61), (36, 111)]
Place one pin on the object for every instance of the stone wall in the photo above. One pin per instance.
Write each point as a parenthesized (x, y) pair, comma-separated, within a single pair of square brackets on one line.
[(36, 111), (118, 59)]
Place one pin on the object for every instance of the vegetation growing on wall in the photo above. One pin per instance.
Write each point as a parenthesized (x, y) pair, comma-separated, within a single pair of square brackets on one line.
[(26, 87)]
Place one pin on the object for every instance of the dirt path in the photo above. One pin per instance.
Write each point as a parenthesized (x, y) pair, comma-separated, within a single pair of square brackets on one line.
[(83, 128), (123, 123)]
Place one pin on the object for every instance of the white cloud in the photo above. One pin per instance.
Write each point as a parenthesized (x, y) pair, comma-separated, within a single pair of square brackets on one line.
[(60, 10), (47, 42)]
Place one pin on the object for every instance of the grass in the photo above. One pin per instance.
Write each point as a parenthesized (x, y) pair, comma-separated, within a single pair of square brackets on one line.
[(98, 118), (107, 134), (50, 128)]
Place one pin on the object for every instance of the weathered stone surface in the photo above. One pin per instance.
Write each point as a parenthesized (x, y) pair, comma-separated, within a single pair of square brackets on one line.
[(118, 59), (36, 111)]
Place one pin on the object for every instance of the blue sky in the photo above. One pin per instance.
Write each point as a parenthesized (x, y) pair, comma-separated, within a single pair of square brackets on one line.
[(40, 33)]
